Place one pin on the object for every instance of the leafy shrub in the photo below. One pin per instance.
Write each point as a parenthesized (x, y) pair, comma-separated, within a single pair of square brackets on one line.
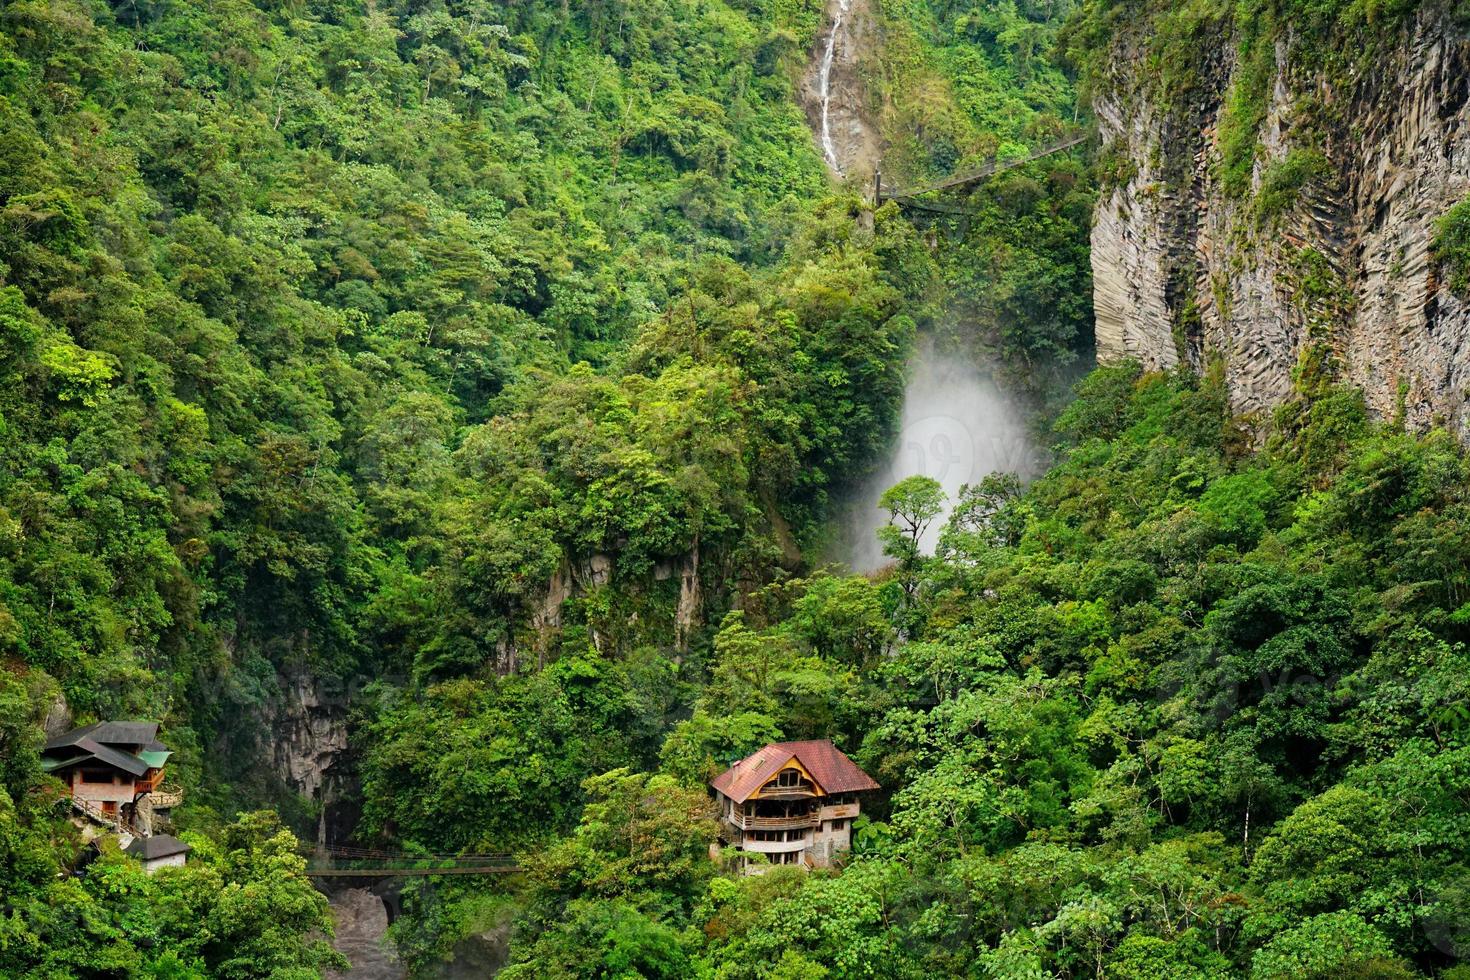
[(1451, 246)]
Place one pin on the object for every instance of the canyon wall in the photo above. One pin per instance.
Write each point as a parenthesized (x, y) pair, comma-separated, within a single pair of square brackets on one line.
[(1330, 242)]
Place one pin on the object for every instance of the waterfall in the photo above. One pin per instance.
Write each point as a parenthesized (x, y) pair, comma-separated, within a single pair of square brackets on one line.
[(824, 82), (957, 425)]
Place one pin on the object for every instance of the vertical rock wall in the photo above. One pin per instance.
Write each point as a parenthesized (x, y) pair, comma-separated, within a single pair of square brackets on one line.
[(1185, 271)]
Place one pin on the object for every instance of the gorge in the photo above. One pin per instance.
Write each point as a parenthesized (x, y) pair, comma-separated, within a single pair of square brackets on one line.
[(454, 429)]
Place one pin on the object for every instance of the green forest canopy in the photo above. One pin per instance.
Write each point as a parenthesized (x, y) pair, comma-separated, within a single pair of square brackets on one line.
[(333, 335)]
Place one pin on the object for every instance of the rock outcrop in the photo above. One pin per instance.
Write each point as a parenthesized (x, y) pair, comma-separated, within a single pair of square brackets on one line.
[(848, 36), (1185, 271), (303, 731), (309, 727)]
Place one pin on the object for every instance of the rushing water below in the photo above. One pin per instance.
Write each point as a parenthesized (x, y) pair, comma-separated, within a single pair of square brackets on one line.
[(361, 917), (362, 926)]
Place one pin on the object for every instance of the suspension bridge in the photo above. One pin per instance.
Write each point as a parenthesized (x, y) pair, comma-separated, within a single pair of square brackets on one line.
[(358, 862), (909, 196)]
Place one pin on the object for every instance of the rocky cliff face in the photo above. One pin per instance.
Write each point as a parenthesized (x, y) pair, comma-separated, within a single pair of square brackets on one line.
[(833, 88), (303, 731), (1330, 242)]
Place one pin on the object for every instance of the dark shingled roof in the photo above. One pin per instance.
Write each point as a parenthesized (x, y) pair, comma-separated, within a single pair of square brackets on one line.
[(108, 733), (157, 846), (100, 741), (833, 771), (125, 761)]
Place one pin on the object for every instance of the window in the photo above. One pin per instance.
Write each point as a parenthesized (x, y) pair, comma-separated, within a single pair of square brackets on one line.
[(839, 824), (96, 776), (788, 777)]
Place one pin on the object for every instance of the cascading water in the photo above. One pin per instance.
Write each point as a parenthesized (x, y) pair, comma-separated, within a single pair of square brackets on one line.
[(957, 425), (824, 87)]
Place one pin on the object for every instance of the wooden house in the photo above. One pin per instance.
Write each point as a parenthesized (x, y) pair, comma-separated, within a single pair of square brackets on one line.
[(792, 802)]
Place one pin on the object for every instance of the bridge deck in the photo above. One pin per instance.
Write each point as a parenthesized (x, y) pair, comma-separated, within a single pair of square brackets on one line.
[(387, 872), (357, 862), (959, 180)]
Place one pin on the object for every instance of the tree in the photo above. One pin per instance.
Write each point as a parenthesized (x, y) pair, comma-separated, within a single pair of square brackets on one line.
[(912, 505), (700, 748), (248, 910), (1335, 944), (605, 938), (987, 510), (642, 837)]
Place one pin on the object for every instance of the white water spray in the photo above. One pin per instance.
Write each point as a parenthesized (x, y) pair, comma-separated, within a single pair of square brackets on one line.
[(824, 82), (957, 426)]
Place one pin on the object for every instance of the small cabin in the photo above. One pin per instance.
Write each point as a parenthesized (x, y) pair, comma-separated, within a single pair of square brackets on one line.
[(108, 768), (158, 851), (792, 802)]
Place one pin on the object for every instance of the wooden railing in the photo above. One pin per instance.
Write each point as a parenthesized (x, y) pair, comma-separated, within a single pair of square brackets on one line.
[(166, 797), (93, 811), (747, 822), (839, 811), (350, 862)]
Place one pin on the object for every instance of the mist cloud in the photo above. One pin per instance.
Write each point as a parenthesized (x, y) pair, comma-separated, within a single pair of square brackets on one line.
[(956, 426)]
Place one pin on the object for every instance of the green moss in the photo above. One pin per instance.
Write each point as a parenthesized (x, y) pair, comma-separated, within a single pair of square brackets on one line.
[(1339, 40), (1187, 324), (1321, 294), (1115, 167), (1245, 108)]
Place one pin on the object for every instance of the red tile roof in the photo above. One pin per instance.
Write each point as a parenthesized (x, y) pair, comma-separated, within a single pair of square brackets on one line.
[(832, 770)]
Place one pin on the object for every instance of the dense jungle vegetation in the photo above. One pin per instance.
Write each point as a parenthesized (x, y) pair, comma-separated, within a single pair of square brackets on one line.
[(1180, 709), (496, 364)]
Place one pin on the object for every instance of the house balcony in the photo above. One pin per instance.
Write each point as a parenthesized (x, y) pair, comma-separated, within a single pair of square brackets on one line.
[(788, 793), (754, 868), (844, 811), (747, 822), (166, 797)]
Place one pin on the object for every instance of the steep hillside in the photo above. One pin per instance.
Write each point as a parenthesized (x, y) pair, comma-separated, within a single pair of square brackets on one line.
[(267, 274), (1278, 177), (405, 403)]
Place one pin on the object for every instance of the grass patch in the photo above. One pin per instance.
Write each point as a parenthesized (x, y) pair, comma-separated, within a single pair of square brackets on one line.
[(1283, 181)]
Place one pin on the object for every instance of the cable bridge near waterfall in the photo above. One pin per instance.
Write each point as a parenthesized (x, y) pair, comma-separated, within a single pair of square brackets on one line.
[(356, 862), (909, 196)]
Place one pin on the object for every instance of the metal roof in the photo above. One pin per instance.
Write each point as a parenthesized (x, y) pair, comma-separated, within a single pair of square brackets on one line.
[(108, 733), (125, 761), (833, 771), (71, 738)]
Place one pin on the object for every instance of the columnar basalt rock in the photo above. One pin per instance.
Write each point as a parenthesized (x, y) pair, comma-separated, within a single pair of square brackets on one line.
[(1184, 270)]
